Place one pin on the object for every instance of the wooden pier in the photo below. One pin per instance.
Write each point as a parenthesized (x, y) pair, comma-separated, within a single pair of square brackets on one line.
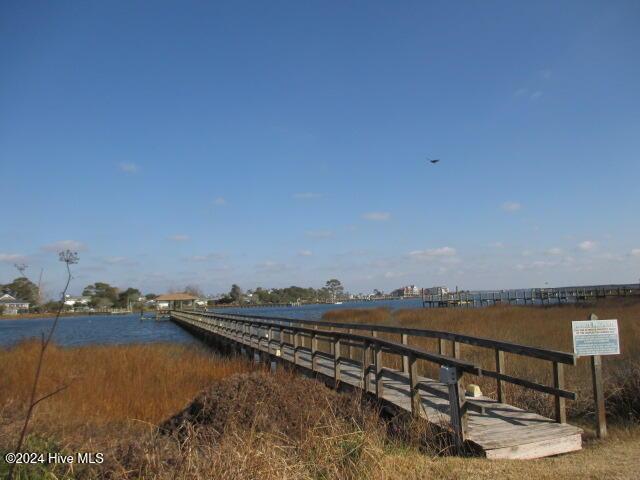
[(352, 355), (534, 296)]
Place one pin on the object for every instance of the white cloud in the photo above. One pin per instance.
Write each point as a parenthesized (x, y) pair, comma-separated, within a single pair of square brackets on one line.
[(520, 92), (179, 238), (546, 73), (442, 252), (377, 216), (319, 233), (220, 201), (511, 206), (587, 245), (12, 257), (305, 253), (635, 252), (62, 245), (306, 195), (205, 258), (527, 253), (269, 266), (128, 167), (497, 245), (554, 251), (536, 95), (394, 274)]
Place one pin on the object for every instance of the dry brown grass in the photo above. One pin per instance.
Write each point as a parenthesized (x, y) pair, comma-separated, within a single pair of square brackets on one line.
[(547, 327), (109, 386)]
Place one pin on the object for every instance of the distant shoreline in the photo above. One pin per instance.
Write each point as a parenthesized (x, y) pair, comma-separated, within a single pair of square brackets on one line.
[(27, 316)]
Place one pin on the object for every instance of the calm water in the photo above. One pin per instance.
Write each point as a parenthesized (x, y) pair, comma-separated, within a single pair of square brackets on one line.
[(106, 329), (315, 312), (118, 329)]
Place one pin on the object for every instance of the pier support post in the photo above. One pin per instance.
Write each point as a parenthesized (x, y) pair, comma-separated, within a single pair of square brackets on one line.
[(378, 367), (336, 362)]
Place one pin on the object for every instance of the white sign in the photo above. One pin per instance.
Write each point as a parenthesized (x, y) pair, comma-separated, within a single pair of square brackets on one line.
[(595, 337)]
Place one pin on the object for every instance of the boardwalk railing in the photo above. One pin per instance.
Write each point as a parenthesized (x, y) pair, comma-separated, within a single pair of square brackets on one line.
[(272, 334)]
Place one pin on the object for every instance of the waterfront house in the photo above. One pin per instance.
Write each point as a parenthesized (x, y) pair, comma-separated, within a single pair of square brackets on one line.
[(71, 301), (11, 306), (172, 301)]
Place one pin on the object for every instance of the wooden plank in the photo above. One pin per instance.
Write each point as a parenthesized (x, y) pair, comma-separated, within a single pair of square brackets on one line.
[(500, 370)]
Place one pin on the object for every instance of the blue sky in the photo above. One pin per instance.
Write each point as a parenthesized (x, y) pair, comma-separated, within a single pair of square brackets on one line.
[(279, 143)]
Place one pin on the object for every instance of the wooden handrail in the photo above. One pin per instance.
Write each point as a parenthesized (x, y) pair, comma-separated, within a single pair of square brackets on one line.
[(510, 347)]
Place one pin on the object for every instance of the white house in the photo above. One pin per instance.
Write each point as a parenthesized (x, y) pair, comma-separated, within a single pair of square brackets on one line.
[(11, 305), (76, 301)]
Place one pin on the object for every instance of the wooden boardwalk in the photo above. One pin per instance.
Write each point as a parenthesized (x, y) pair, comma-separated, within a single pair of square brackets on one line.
[(495, 429)]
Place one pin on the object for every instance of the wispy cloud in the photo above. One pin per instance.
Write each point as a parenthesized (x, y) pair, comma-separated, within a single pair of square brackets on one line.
[(521, 92), (377, 216), (554, 251), (635, 252), (12, 257), (269, 266), (61, 245), (220, 201), (128, 167), (209, 257), (306, 195), (319, 234), (497, 245), (587, 245), (536, 95), (511, 206), (305, 253), (179, 238), (433, 253), (546, 73)]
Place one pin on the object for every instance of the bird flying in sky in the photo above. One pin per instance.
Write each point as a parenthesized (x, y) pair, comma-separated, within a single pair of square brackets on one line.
[(434, 160)]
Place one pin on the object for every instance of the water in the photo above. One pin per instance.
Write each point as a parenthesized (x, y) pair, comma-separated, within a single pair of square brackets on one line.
[(315, 311), (93, 329)]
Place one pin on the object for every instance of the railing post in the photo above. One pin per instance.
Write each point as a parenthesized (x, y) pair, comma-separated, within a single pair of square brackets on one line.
[(366, 363), (441, 346), (405, 358), (351, 351), (416, 401), (558, 382), (452, 377), (499, 370), (456, 350), (314, 349), (295, 347), (336, 362), (378, 367)]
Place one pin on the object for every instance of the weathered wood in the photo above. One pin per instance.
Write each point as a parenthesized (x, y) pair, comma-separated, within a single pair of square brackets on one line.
[(500, 370), (558, 382), (351, 354), (366, 365), (456, 349), (414, 392), (336, 362), (405, 358), (314, 350), (531, 385), (441, 346), (598, 396), (378, 369)]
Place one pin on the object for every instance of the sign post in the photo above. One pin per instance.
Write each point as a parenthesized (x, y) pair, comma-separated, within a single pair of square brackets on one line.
[(595, 338)]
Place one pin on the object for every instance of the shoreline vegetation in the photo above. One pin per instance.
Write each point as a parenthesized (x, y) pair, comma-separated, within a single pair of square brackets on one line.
[(182, 411)]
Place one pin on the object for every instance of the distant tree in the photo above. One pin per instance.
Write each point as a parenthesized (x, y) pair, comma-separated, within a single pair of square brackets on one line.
[(101, 291), (235, 293), (129, 296), (335, 288), (194, 290), (23, 289), (151, 296)]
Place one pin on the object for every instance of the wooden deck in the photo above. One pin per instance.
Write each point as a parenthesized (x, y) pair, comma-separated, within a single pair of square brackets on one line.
[(496, 430)]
